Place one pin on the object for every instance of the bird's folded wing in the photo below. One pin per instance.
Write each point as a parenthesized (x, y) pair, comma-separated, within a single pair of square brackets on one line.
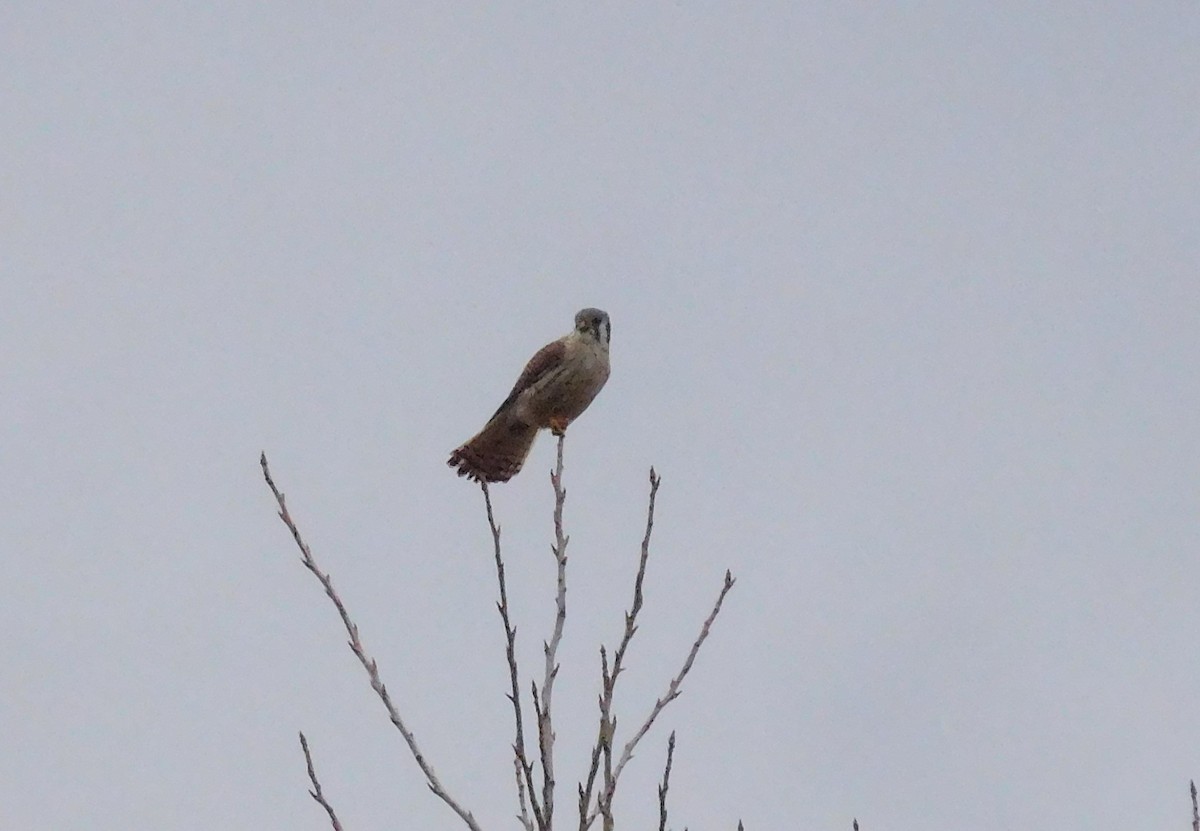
[(545, 361)]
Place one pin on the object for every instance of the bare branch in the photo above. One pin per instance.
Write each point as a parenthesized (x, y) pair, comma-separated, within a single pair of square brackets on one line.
[(604, 801), (526, 822), (521, 759), (603, 746), (856, 824), (602, 750), (666, 783), (603, 741), (367, 662), (1195, 809), (545, 709), (316, 792), (673, 689)]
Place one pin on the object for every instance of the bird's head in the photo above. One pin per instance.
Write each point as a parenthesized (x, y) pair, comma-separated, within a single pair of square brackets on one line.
[(594, 323)]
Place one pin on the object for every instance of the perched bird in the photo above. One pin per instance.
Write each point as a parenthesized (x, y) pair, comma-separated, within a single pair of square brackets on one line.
[(557, 385)]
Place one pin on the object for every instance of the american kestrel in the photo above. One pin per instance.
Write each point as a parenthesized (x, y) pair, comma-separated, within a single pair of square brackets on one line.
[(557, 385)]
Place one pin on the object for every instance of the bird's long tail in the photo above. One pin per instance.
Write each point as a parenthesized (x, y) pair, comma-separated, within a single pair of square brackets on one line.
[(497, 453)]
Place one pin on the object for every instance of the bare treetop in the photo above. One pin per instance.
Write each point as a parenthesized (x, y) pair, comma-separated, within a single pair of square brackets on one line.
[(535, 778)]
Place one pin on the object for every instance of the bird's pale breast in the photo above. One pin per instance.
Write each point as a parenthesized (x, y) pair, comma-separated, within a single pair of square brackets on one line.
[(566, 392)]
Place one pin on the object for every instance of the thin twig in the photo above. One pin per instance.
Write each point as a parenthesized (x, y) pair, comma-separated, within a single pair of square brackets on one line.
[(604, 801), (526, 822), (550, 648), (666, 783), (368, 663), (520, 758), (603, 746), (316, 792), (1195, 809)]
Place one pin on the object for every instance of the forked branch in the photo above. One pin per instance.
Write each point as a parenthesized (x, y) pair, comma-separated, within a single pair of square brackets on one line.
[(531, 797), (602, 750)]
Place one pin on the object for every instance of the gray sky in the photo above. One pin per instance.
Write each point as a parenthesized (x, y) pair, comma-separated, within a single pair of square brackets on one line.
[(905, 310)]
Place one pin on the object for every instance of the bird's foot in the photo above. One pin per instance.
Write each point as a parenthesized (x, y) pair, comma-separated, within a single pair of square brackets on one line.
[(558, 426)]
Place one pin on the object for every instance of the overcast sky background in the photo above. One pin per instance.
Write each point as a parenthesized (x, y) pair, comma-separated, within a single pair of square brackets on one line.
[(906, 311)]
